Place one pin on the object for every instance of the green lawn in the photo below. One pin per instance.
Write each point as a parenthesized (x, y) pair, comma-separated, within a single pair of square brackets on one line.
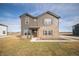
[(14, 46)]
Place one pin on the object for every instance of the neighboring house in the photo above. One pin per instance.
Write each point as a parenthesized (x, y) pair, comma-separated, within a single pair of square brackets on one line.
[(3, 30), (76, 30), (45, 25)]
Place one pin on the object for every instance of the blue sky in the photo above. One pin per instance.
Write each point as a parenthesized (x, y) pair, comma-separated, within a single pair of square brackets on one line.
[(9, 14)]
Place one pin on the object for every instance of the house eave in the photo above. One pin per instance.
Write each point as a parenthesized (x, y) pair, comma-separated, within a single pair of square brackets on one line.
[(3, 25)]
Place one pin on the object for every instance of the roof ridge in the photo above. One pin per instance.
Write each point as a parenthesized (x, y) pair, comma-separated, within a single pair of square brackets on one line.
[(29, 14)]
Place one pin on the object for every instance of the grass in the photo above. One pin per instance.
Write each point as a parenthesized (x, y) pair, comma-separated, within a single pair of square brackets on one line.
[(14, 46)]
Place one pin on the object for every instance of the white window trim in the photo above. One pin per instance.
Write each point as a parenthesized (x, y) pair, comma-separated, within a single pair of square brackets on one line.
[(47, 23), (47, 32), (27, 20)]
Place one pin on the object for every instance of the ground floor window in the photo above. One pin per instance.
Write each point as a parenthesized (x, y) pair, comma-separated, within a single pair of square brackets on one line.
[(26, 33), (47, 32), (3, 32), (44, 32)]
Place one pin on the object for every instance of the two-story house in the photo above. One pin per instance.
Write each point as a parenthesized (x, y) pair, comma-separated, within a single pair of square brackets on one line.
[(75, 30), (45, 25), (3, 30)]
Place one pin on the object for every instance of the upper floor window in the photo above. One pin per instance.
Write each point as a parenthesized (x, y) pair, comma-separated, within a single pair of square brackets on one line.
[(27, 20), (47, 21)]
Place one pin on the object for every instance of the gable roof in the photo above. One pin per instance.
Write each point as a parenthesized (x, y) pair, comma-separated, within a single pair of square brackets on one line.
[(3, 25), (27, 14), (51, 13)]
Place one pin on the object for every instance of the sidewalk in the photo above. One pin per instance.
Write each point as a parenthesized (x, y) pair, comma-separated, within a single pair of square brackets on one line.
[(70, 37), (67, 39), (54, 41)]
